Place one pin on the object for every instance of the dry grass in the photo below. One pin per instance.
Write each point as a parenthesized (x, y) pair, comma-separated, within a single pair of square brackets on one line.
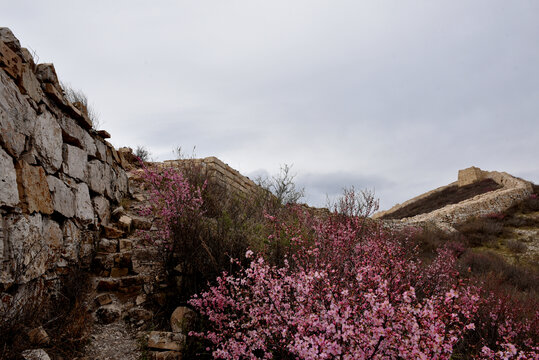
[(451, 195)]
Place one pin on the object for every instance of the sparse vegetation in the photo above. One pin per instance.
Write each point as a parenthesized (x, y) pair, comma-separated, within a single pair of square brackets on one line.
[(78, 96), (142, 153)]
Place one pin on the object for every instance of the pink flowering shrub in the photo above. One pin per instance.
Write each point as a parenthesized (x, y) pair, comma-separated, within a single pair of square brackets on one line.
[(172, 200), (351, 291)]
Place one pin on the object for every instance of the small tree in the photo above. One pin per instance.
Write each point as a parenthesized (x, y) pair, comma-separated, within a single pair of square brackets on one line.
[(142, 153)]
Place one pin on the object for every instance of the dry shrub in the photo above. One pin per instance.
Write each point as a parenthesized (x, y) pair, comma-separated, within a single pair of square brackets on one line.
[(493, 269), (481, 231), (56, 305), (516, 246)]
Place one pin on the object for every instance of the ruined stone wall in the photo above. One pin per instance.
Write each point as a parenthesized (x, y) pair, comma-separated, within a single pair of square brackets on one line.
[(58, 176), (513, 191), (220, 172)]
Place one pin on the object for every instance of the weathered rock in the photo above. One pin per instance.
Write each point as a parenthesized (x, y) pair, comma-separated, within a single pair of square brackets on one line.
[(118, 272), (29, 84), (47, 73), (84, 119), (10, 137), (72, 240), (33, 188), (75, 162), (125, 223), (84, 210), (181, 319), (101, 150), (7, 36), (102, 209), (96, 178), (35, 354), (141, 223), (10, 61), (111, 232), (103, 299), (104, 134), (38, 336), (137, 314), (166, 340), (108, 245), (166, 355), (63, 199), (118, 212), (48, 142), (53, 235), (126, 245), (108, 313), (29, 251), (9, 193)]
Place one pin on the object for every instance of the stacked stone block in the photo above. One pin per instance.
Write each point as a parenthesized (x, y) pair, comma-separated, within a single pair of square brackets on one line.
[(58, 176)]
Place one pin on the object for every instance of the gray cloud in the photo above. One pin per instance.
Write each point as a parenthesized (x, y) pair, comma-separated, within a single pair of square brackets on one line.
[(396, 96)]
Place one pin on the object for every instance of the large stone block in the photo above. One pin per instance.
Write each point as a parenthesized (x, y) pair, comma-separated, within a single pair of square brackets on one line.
[(34, 188), (84, 210), (101, 150), (102, 209), (29, 85), (48, 142), (166, 340), (30, 253), (9, 193), (72, 241), (7, 36), (96, 176), (75, 162), (10, 61), (63, 199), (53, 235)]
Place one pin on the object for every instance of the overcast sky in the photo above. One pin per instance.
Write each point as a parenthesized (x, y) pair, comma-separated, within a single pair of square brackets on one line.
[(391, 95)]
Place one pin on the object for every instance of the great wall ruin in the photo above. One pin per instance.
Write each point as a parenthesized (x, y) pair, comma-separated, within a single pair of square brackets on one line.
[(511, 191), (61, 188)]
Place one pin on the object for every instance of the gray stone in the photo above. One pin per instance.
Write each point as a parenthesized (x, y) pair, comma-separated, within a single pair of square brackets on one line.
[(48, 142), (46, 73), (75, 162), (29, 83), (96, 176), (166, 340), (35, 354), (84, 210), (72, 240), (102, 209), (63, 199), (108, 313), (33, 188), (10, 138), (88, 144), (108, 176), (101, 150), (7, 36), (9, 193), (29, 251), (38, 336), (181, 319), (53, 236), (109, 246)]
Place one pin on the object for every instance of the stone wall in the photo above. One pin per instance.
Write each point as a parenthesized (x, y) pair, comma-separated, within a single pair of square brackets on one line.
[(513, 191), (221, 173), (58, 176)]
